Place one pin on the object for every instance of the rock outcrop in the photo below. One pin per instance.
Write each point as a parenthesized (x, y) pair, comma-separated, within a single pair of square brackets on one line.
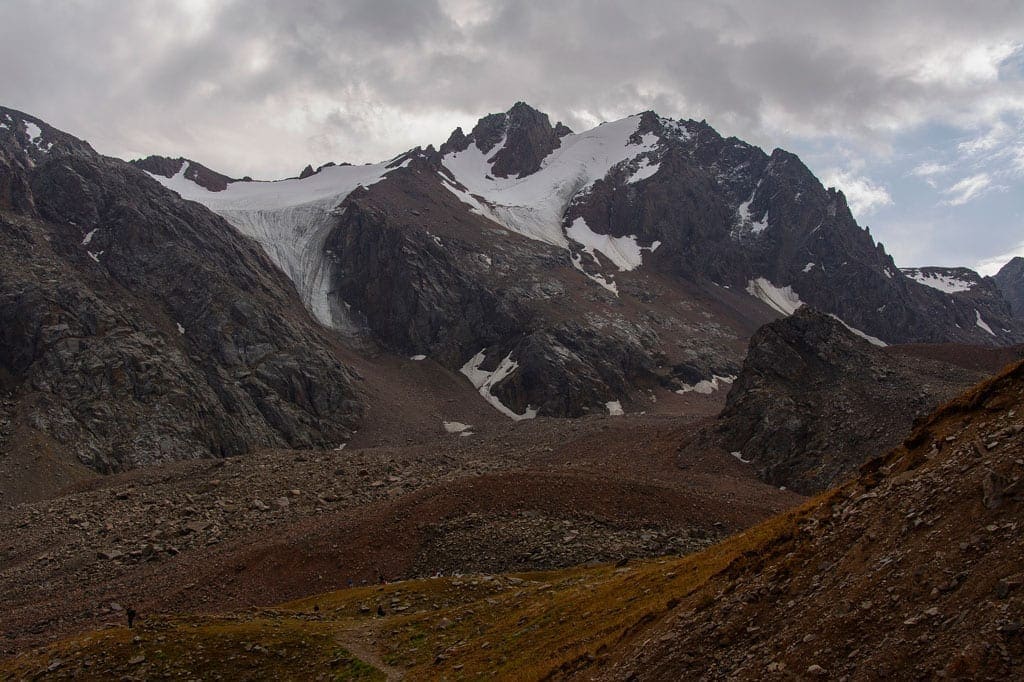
[(813, 401), (524, 134)]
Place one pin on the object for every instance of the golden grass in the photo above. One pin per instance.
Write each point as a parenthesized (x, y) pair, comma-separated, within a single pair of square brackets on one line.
[(225, 649), (528, 626)]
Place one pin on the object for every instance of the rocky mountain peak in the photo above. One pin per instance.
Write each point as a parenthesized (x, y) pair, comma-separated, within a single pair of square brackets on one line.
[(457, 142), (519, 138)]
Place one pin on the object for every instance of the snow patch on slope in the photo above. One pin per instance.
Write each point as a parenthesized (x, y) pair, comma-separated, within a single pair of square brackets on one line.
[(645, 170), (624, 252), (782, 299), (936, 280), (873, 340), (483, 381), (756, 226), (35, 137), (707, 386), (599, 279), (614, 408)]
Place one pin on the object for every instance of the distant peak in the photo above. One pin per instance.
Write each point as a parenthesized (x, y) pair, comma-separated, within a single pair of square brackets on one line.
[(167, 167)]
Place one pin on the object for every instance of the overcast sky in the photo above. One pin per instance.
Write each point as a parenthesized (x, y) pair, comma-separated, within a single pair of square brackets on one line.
[(914, 109)]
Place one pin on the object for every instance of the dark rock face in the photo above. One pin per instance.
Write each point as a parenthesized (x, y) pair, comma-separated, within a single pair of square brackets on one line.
[(991, 305), (813, 401), (196, 172), (724, 210), (306, 172), (529, 139), (1010, 282), (136, 327)]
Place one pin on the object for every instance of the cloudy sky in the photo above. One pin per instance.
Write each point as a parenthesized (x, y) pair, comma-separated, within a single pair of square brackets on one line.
[(914, 109)]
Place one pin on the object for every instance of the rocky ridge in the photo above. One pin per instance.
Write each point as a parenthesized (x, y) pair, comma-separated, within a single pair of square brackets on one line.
[(137, 328)]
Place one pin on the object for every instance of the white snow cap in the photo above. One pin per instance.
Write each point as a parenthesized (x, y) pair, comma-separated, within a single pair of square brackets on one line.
[(535, 206)]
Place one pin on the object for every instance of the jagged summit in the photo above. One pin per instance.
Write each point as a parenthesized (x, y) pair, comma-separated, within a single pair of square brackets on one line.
[(522, 135)]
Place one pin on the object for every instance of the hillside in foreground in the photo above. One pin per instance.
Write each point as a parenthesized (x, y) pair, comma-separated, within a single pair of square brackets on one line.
[(910, 570)]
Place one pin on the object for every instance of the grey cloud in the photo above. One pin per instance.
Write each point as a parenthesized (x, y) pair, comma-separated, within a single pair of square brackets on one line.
[(148, 72)]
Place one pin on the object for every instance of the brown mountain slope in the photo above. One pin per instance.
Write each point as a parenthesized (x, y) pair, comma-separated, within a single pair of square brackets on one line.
[(910, 571)]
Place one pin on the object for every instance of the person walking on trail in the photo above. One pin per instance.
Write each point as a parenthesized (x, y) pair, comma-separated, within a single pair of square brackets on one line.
[(131, 617)]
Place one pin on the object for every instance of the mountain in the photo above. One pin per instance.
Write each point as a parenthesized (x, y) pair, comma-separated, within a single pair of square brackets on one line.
[(138, 328), (1010, 281), (378, 340), (813, 401), (571, 273)]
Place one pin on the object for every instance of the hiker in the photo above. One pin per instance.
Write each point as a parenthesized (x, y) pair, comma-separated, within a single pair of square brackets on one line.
[(131, 617), (380, 610)]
